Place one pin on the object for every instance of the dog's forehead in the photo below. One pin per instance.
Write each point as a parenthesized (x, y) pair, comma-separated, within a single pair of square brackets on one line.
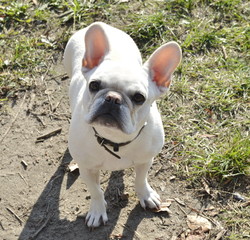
[(122, 76)]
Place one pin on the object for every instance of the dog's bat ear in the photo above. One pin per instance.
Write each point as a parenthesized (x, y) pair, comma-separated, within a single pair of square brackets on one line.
[(163, 62), (96, 46)]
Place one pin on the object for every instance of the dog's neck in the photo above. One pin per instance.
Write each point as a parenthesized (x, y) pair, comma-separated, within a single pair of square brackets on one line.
[(117, 136), (115, 147)]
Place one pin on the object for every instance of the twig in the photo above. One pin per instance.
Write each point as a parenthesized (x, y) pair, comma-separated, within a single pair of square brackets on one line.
[(137, 235), (51, 183), (64, 14), (32, 99), (6, 174), (48, 96), (224, 52), (180, 202), (182, 209), (246, 204), (195, 210), (45, 74), (21, 176), (18, 218), (12, 174), (42, 227), (171, 148), (11, 124), (38, 118), (45, 83), (158, 171), (62, 116), (2, 225), (58, 103), (220, 234), (64, 77), (47, 135), (25, 165), (61, 76), (170, 30)]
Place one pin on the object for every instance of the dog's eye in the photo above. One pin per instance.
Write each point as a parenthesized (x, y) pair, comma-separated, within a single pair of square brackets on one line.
[(138, 98), (94, 86)]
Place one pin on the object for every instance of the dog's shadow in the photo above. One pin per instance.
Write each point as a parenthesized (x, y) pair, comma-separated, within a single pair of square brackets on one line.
[(44, 221)]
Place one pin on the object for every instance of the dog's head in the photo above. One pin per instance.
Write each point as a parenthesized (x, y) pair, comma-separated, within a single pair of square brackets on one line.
[(119, 94)]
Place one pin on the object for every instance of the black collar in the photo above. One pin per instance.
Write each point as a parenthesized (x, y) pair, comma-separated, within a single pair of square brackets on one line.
[(105, 142)]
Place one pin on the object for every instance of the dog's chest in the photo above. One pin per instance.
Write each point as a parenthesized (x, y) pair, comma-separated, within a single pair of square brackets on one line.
[(100, 159), (88, 152), (113, 164)]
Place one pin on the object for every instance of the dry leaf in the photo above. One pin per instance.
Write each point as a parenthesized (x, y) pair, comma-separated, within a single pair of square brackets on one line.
[(49, 91), (212, 211), (162, 187), (116, 236), (172, 178), (195, 237), (73, 166), (207, 189), (164, 207), (246, 204), (197, 222)]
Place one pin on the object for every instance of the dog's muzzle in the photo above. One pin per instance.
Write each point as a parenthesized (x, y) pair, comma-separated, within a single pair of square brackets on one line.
[(109, 113)]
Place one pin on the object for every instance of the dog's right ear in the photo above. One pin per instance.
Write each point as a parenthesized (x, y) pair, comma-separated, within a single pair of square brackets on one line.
[(162, 64), (96, 46)]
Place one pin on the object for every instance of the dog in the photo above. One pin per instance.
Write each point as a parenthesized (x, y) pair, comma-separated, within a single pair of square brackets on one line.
[(115, 122)]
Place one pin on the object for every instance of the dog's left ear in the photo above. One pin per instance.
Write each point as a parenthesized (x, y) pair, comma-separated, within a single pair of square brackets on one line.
[(162, 63), (96, 46)]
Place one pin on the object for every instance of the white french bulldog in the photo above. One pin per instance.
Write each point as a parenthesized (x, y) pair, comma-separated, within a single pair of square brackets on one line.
[(115, 121)]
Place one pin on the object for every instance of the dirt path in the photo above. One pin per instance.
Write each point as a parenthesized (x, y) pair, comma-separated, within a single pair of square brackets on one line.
[(39, 200)]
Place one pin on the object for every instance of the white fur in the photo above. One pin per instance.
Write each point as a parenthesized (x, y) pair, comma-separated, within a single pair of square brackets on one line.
[(121, 67)]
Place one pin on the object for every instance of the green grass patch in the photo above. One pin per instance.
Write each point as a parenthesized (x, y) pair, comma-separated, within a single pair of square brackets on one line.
[(232, 158)]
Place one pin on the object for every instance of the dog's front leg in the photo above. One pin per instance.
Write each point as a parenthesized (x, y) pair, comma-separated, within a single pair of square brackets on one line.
[(97, 211), (148, 197)]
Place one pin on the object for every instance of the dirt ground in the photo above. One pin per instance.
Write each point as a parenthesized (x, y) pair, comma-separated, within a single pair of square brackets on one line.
[(40, 200)]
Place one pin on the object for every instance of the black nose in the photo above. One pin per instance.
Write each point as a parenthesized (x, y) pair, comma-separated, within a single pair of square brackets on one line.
[(113, 97)]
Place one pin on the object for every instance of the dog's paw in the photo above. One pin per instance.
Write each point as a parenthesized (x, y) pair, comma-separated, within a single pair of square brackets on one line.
[(97, 214), (149, 198)]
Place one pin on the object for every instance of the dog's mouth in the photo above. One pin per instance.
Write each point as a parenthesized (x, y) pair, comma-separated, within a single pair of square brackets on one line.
[(111, 114), (108, 120)]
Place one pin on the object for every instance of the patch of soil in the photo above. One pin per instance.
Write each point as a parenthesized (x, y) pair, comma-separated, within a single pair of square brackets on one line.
[(40, 200)]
